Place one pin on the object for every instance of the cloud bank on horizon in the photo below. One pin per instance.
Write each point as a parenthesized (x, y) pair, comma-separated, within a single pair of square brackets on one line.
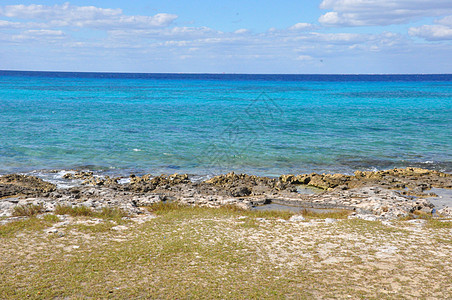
[(340, 36)]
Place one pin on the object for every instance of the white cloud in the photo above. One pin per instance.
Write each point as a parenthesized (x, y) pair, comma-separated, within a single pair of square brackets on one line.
[(40, 35), (174, 33), (301, 26), (432, 32), (442, 30), (447, 21), (84, 16), (304, 57), (45, 32), (380, 12), (241, 31)]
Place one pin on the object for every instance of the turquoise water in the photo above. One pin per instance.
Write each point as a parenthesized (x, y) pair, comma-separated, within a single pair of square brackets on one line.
[(212, 124)]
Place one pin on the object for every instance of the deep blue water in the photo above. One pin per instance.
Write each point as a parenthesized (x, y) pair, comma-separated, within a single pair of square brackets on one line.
[(213, 123)]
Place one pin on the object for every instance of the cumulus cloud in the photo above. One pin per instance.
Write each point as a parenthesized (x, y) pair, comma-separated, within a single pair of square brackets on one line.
[(84, 16), (442, 30), (241, 31), (301, 26), (380, 12), (432, 32)]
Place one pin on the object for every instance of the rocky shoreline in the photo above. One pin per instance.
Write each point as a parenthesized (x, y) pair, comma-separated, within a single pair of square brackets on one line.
[(370, 195)]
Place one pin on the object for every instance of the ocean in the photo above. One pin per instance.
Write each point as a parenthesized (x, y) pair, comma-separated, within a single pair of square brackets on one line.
[(207, 124)]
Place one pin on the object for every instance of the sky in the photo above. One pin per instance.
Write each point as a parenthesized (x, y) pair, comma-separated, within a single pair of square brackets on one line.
[(231, 36)]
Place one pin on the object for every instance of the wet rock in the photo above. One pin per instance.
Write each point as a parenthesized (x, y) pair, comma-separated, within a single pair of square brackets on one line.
[(15, 184)]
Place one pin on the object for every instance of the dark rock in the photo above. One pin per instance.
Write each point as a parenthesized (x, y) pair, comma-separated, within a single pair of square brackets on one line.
[(241, 191)]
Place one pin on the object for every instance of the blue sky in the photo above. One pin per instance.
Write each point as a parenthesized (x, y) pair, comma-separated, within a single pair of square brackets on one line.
[(324, 36)]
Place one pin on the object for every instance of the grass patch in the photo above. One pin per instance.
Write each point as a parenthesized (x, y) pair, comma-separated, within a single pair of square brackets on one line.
[(338, 214), (161, 208), (270, 214), (112, 213), (180, 211), (51, 218), (74, 211), (28, 210), (437, 224), (107, 213), (28, 224)]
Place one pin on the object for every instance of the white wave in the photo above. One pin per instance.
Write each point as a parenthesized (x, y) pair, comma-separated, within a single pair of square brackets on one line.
[(124, 180)]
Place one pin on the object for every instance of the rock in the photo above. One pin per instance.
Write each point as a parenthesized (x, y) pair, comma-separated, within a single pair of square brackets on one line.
[(14, 184), (119, 228), (446, 212), (297, 218), (241, 191), (330, 220), (364, 217)]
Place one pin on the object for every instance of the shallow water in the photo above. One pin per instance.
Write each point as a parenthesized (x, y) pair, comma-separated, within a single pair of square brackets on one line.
[(444, 198), (209, 124)]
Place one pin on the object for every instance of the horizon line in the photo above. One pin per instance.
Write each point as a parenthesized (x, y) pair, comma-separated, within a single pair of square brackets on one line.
[(224, 73)]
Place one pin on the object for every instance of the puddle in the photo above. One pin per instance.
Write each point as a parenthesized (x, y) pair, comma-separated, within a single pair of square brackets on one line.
[(308, 190), (444, 197), (296, 209)]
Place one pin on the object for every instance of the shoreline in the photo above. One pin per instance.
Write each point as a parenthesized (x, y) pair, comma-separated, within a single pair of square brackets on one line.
[(388, 194)]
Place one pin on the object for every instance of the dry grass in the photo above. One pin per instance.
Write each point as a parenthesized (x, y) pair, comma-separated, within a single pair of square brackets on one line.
[(179, 210), (28, 210), (108, 213), (207, 253), (338, 214), (25, 225), (437, 223), (74, 211)]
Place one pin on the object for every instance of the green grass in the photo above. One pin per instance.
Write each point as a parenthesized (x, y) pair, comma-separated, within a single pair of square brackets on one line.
[(177, 210), (226, 253), (437, 223), (26, 225), (431, 222), (338, 214), (107, 213), (74, 211), (28, 210)]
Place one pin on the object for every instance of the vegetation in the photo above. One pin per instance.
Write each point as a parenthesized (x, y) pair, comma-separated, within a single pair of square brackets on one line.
[(221, 253), (336, 214), (28, 210), (108, 213)]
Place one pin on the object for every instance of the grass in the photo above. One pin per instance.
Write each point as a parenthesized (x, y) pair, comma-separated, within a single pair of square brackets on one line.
[(221, 253), (337, 214), (28, 210), (26, 225), (437, 224), (74, 211), (107, 213), (181, 211), (431, 222)]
